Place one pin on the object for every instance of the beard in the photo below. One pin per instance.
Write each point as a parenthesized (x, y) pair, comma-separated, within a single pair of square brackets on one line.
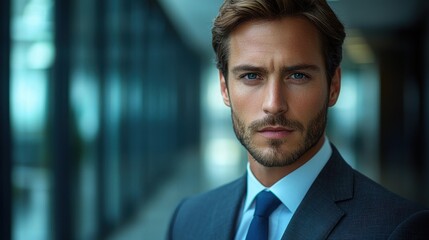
[(273, 156)]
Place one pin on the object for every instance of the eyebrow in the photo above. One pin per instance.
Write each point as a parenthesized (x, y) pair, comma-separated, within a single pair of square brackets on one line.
[(309, 67), (247, 68), (286, 69)]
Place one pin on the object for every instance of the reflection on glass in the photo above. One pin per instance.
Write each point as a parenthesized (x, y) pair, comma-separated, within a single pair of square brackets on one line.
[(40, 55), (32, 56), (28, 103), (84, 101)]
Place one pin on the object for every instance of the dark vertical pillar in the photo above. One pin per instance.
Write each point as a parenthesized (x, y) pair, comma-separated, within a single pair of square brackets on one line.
[(5, 131), (138, 24), (124, 62), (101, 65), (418, 139), (401, 64), (391, 65), (60, 127), (145, 63), (426, 104)]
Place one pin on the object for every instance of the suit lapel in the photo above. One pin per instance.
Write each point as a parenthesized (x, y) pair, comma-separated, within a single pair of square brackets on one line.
[(318, 213), (226, 209)]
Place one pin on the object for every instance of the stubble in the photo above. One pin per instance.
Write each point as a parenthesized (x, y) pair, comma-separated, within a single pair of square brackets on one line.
[(273, 156)]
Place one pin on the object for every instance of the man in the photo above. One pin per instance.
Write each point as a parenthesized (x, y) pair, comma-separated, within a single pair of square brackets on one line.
[(279, 67)]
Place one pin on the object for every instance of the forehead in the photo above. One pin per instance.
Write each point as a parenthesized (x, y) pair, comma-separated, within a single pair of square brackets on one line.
[(291, 40)]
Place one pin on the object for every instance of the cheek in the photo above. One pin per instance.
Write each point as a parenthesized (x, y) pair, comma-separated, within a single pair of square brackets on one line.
[(303, 106), (246, 105)]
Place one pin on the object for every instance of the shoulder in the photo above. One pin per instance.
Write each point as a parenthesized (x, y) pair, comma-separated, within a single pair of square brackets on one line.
[(223, 192), (345, 183), (392, 215), (414, 227), (372, 196), (205, 213), (370, 209)]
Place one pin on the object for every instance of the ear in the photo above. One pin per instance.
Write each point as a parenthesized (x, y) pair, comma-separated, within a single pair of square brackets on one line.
[(224, 89), (334, 89)]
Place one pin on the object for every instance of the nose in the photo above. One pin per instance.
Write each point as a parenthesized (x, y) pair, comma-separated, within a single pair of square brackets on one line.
[(275, 98)]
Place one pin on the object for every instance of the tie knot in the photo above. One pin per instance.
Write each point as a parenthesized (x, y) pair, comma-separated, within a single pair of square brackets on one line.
[(266, 203)]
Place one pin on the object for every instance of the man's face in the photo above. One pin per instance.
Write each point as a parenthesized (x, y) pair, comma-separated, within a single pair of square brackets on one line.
[(277, 90)]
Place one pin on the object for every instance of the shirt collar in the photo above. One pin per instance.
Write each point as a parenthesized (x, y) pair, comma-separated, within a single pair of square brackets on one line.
[(292, 188)]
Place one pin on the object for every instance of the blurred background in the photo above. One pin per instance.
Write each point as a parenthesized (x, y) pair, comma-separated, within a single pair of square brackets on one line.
[(110, 111)]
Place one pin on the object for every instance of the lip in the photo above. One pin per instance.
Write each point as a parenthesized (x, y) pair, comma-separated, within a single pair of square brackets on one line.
[(275, 132)]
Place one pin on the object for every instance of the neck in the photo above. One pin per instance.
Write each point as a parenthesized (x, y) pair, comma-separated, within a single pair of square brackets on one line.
[(268, 176)]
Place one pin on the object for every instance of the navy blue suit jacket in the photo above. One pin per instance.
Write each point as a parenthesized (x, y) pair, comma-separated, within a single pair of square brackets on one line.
[(340, 204)]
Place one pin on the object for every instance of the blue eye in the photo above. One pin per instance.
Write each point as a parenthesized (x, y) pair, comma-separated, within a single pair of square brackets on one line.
[(251, 76), (298, 76)]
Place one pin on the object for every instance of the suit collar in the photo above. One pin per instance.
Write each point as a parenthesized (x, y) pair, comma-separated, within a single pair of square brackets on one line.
[(318, 213)]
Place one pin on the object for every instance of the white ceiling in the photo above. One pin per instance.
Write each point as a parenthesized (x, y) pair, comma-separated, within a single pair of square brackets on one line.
[(194, 17)]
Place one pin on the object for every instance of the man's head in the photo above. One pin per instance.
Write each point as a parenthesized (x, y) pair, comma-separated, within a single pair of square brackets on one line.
[(235, 12), (279, 72)]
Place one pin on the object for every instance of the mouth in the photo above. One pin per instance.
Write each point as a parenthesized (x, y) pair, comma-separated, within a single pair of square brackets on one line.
[(275, 132)]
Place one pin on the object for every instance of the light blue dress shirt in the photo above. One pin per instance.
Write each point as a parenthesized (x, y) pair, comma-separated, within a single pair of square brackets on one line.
[(290, 190)]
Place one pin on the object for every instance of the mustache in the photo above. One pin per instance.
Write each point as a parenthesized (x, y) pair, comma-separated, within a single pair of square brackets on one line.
[(277, 120)]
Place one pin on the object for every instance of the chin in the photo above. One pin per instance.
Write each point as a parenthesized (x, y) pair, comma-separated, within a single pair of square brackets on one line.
[(274, 158)]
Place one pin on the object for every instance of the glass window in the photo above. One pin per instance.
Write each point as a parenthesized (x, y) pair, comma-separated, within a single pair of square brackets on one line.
[(32, 55)]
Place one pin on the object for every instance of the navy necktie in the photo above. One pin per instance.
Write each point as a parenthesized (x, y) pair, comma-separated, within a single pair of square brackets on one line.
[(266, 203)]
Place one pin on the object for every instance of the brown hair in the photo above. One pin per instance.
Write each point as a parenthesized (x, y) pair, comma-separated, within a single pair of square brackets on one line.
[(235, 12)]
